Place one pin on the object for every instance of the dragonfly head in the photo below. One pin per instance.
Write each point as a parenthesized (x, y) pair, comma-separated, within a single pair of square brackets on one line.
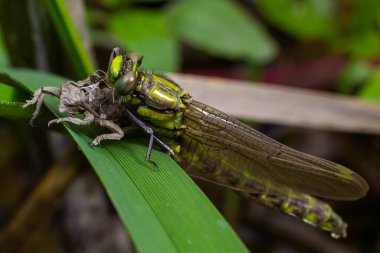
[(120, 64)]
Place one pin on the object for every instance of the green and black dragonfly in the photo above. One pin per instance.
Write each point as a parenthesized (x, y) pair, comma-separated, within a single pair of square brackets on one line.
[(213, 146)]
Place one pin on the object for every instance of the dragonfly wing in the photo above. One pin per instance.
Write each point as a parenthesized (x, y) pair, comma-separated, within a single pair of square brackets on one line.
[(220, 148)]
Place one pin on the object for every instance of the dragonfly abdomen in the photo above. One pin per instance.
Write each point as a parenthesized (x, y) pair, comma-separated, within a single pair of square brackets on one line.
[(305, 207), (199, 163)]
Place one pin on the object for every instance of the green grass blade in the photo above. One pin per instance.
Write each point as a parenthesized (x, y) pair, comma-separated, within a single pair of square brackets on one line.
[(163, 209), (70, 37)]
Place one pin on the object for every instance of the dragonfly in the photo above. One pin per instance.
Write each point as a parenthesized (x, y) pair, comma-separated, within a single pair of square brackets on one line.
[(213, 146)]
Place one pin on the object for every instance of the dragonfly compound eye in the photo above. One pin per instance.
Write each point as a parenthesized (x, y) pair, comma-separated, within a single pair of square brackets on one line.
[(126, 84), (115, 68)]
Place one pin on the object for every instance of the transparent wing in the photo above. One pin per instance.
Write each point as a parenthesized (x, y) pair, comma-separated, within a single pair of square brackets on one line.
[(220, 148)]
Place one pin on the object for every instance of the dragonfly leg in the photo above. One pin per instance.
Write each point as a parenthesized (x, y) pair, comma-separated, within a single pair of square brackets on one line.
[(117, 132), (38, 97), (164, 146), (88, 119), (152, 138), (148, 153), (134, 130)]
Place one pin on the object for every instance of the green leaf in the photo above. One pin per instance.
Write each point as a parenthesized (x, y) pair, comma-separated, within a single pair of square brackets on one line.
[(371, 90), (360, 45), (308, 19), (222, 28), (147, 32), (354, 74), (163, 209), (70, 37), (363, 17)]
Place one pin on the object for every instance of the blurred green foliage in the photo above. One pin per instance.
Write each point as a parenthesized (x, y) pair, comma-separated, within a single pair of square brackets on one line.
[(3, 57), (147, 32), (371, 89), (310, 19), (349, 28), (353, 75), (219, 27), (222, 28)]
